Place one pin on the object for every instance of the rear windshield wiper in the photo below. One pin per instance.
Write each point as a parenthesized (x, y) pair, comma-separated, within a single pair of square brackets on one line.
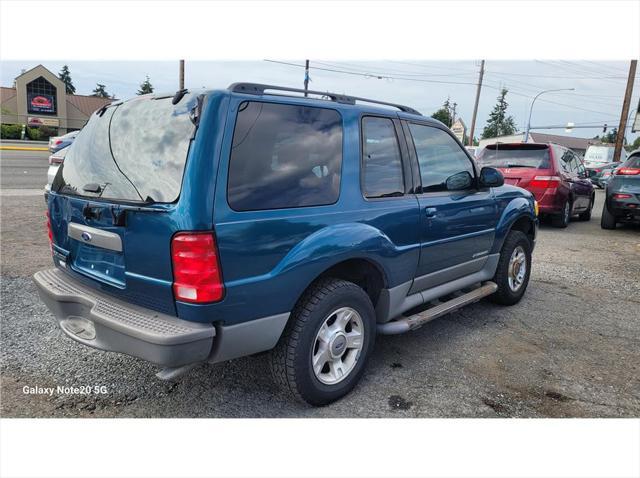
[(519, 166)]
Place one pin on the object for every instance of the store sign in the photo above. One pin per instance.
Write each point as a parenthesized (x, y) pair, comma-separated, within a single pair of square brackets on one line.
[(38, 103), (459, 129), (34, 121)]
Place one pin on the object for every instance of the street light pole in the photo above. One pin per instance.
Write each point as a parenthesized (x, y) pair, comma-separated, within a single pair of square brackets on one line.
[(526, 132)]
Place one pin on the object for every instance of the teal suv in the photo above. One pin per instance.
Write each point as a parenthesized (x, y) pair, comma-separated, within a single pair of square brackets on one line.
[(207, 225)]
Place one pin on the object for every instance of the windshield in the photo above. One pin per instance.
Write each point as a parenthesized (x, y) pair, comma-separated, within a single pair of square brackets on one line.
[(515, 158), (135, 151)]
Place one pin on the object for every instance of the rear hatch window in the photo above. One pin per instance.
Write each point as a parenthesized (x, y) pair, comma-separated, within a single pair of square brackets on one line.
[(516, 156), (134, 151)]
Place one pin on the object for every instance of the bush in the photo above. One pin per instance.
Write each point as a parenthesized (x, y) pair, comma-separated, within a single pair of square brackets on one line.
[(47, 131), (33, 134), (10, 131)]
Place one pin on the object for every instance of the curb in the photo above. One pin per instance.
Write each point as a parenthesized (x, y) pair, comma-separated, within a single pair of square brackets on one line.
[(22, 148)]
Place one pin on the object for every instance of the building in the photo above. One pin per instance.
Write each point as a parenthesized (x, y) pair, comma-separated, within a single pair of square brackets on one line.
[(38, 98), (579, 145), (459, 129)]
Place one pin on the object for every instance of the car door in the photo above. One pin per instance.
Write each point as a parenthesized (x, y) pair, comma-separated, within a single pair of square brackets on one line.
[(582, 186), (569, 164), (458, 219)]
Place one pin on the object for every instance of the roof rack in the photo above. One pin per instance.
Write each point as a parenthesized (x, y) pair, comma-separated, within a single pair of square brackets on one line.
[(259, 89)]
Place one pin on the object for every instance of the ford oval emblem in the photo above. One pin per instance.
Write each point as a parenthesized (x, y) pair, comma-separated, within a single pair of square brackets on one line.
[(86, 236)]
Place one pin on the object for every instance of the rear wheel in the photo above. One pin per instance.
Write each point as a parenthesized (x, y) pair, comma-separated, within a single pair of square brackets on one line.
[(608, 220), (514, 268), (562, 220), (324, 348), (586, 216)]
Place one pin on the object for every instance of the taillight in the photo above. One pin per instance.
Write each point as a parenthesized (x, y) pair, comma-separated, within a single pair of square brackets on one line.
[(49, 232), (628, 171), (58, 141), (55, 160), (545, 182), (196, 269), (622, 196)]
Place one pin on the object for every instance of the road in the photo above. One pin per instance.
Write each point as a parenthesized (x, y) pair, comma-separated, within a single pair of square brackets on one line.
[(23, 170), (568, 349)]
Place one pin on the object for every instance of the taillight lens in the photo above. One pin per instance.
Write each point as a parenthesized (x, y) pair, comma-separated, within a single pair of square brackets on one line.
[(628, 171), (196, 269), (58, 141), (55, 160), (545, 182), (49, 232), (622, 196)]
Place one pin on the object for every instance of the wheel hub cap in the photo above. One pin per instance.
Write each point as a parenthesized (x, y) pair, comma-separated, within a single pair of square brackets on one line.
[(517, 268), (338, 345)]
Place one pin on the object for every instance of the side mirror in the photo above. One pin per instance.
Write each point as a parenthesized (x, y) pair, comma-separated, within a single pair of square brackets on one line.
[(459, 181), (491, 178)]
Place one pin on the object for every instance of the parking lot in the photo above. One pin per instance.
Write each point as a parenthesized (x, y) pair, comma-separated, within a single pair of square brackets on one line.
[(568, 349)]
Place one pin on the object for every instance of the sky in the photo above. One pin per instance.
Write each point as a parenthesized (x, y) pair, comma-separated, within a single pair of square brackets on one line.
[(424, 85)]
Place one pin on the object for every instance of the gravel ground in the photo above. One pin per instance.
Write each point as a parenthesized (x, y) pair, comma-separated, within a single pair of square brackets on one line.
[(568, 349)]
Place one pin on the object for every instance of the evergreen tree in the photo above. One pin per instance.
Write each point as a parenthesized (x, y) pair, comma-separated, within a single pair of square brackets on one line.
[(145, 87), (100, 91), (499, 124), (65, 76), (444, 114)]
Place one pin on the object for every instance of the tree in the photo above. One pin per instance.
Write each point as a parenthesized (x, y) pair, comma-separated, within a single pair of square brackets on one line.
[(65, 76), (633, 146), (444, 114), (610, 137), (499, 124), (100, 91), (145, 87)]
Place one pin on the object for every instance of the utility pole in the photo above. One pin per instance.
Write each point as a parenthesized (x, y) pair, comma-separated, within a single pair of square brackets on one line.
[(181, 75), (475, 107), (625, 110), (306, 77)]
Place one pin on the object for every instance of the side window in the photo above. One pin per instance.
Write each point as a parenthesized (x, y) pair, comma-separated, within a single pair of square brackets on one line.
[(444, 166), (284, 156), (565, 160), (381, 161)]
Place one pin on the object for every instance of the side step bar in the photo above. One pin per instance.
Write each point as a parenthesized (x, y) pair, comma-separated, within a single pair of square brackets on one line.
[(405, 324)]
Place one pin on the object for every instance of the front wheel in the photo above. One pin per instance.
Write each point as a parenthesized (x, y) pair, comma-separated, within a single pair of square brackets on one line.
[(514, 269), (586, 216), (323, 350)]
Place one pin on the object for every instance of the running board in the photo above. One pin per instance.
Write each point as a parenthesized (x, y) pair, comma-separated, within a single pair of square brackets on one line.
[(405, 324)]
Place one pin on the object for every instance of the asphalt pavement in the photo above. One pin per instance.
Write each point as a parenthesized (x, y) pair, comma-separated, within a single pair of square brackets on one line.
[(568, 349)]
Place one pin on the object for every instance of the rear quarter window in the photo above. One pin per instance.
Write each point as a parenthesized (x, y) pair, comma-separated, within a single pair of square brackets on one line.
[(284, 156)]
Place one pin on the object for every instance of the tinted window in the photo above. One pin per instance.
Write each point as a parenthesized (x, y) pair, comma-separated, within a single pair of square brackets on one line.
[(440, 159), (135, 151), (284, 156), (508, 156), (633, 162), (381, 163)]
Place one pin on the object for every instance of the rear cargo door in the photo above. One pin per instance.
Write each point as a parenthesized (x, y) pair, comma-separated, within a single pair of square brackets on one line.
[(112, 200)]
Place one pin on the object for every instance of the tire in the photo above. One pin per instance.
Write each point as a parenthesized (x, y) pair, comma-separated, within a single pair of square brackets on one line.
[(292, 358), (586, 216), (506, 293), (608, 220), (562, 220)]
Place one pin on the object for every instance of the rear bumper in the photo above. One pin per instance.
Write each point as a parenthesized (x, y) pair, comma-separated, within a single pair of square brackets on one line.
[(100, 321)]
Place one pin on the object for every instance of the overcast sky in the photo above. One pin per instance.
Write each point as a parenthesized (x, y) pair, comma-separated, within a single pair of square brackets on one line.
[(424, 85)]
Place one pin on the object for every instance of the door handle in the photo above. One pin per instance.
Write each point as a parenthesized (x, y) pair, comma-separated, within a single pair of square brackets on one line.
[(430, 211)]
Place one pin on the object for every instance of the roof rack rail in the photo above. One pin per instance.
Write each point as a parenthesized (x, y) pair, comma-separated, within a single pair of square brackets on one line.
[(259, 89)]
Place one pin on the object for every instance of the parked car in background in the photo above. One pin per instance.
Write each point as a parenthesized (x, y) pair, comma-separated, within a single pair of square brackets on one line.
[(622, 200), (303, 225), (473, 150), (56, 143), (600, 175), (55, 160), (554, 174), (597, 156)]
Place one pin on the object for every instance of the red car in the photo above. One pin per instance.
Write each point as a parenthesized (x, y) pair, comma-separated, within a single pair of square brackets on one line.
[(554, 174)]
